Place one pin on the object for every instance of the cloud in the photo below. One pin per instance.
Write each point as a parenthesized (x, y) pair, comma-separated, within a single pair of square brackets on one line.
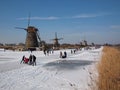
[(40, 18), (90, 15), (115, 26), (67, 17), (84, 16)]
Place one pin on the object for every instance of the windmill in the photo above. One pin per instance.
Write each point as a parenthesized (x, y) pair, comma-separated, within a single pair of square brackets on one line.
[(32, 37), (55, 41)]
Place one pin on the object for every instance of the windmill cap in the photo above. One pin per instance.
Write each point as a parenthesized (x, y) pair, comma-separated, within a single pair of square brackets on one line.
[(32, 27)]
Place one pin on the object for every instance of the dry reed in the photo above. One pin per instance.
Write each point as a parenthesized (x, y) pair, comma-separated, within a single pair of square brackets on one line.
[(109, 70)]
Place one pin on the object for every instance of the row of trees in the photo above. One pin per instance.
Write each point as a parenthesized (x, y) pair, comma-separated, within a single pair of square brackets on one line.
[(12, 44)]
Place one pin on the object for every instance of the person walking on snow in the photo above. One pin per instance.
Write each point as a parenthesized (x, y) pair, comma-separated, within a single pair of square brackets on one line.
[(30, 59), (60, 54), (34, 60), (22, 61)]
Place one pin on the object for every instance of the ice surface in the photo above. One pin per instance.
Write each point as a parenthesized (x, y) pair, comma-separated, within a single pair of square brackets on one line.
[(51, 72)]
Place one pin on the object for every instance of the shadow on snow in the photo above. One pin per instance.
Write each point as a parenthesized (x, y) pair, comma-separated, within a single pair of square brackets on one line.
[(67, 64)]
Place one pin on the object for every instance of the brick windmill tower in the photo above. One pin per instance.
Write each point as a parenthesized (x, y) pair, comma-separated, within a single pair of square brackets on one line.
[(32, 37)]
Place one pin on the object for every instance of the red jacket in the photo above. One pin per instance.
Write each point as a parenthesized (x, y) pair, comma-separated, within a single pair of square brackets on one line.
[(26, 60)]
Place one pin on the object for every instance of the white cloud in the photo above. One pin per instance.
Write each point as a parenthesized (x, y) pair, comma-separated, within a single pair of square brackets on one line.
[(90, 15), (40, 18), (68, 17), (84, 16)]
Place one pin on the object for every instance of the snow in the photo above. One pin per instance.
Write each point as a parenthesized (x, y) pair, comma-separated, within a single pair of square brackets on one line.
[(51, 72)]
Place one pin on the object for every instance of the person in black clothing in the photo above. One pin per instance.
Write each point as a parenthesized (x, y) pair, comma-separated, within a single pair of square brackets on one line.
[(65, 55), (34, 60), (22, 61), (44, 52), (30, 59), (60, 54)]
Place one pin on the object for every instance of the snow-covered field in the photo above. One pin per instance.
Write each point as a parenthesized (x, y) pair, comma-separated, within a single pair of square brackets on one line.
[(51, 72)]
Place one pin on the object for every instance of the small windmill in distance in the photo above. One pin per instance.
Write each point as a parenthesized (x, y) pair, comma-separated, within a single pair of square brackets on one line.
[(84, 43), (55, 41), (32, 37)]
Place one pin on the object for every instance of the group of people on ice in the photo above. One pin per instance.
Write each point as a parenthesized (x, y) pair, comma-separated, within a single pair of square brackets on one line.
[(63, 55), (31, 60), (47, 52)]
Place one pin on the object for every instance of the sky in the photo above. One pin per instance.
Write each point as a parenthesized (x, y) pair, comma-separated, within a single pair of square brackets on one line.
[(96, 21)]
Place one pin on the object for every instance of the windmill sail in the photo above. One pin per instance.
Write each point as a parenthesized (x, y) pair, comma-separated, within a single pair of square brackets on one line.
[(20, 28), (29, 20), (38, 36)]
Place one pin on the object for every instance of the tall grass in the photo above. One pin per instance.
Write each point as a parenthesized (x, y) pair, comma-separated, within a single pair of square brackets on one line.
[(109, 70)]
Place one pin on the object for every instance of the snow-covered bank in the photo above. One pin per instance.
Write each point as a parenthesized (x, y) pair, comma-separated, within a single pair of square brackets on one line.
[(51, 72)]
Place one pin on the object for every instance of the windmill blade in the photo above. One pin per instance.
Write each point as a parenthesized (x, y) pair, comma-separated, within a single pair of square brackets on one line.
[(38, 36), (52, 39), (20, 28), (55, 34), (60, 38), (56, 38), (29, 20)]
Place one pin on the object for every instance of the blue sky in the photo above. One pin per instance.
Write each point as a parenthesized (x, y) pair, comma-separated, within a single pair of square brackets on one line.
[(96, 21)]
